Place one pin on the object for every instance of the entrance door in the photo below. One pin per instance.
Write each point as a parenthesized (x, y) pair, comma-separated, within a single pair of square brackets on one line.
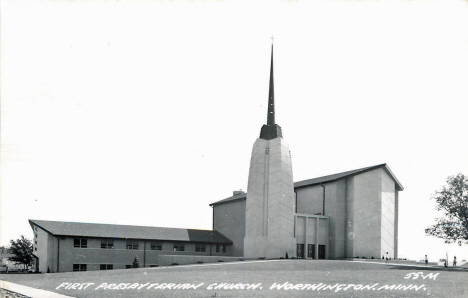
[(300, 251), (311, 251), (36, 263), (321, 252)]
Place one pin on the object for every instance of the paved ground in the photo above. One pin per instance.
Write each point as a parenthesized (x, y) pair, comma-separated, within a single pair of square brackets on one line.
[(276, 278)]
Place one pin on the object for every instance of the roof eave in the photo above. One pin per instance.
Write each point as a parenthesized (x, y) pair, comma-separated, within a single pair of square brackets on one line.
[(399, 186), (227, 201), (31, 222), (397, 183), (224, 240)]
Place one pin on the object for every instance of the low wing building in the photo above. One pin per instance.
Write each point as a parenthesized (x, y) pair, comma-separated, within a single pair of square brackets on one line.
[(70, 246)]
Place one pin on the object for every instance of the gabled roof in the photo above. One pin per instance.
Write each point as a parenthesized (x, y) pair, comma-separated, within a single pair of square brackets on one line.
[(240, 196), (93, 230), (334, 177), (323, 179)]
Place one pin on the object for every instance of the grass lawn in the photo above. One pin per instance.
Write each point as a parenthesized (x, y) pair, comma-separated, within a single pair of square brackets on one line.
[(275, 278)]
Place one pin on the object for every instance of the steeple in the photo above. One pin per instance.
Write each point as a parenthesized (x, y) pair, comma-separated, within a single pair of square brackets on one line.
[(271, 130), (269, 217), (271, 95)]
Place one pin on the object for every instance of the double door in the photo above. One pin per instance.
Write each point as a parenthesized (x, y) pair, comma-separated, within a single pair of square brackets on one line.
[(311, 251)]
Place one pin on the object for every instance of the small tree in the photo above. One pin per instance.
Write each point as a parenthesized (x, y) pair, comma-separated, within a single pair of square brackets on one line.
[(23, 252), (136, 263), (453, 201)]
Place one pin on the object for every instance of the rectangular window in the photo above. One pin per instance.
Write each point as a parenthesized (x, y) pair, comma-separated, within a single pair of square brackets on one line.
[(220, 247), (106, 267), (82, 243), (132, 244), (128, 266), (179, 247), (200, 247), (79, 267), (224, 247), (156, 245), (107, 243)]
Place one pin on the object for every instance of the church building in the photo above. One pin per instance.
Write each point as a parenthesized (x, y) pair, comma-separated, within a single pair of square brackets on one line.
[(344, 215)]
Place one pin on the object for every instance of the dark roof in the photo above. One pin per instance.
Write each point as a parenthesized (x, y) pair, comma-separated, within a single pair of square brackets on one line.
[(93, 230), (240, 196), (334, 177), (324, 179)]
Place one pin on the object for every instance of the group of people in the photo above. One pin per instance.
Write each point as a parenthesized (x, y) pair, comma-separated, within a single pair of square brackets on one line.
[(454, 262), (445, 263)]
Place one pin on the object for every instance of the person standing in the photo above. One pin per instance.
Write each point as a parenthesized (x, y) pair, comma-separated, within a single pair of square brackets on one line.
[(455, 261), (426, 260)]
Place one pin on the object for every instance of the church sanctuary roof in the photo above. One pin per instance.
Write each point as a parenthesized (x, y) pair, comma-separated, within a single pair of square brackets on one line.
[(323, 179), (239, 196), (334, 177), (93, 230)]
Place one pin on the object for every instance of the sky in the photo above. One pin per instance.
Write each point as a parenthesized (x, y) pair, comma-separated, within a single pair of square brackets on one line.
[(145, 112)]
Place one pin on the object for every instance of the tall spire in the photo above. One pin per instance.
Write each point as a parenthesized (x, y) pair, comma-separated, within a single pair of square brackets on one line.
[(271, 94), (271, 130)]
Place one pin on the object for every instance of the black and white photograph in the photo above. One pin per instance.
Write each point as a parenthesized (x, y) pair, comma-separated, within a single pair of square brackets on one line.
[(221, 148)]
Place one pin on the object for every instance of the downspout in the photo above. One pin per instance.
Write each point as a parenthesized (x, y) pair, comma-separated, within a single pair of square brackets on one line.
[(58, 253), (323, 212), (144, 254), (212, 207), (295, 197)]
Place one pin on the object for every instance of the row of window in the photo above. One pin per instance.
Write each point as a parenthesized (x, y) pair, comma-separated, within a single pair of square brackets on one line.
[(134, 244), (84, 267)]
